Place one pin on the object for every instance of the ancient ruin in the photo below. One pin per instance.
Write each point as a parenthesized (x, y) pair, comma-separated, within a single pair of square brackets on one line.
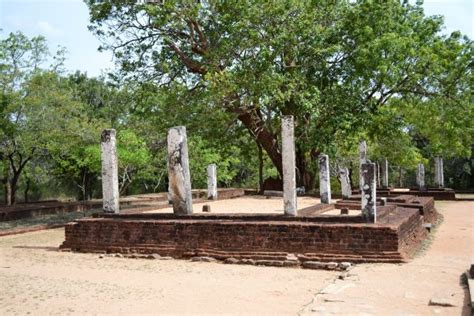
[(110, 184), (357, 229)]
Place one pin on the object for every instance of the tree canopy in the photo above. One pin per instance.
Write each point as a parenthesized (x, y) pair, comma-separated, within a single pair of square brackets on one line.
[(340, 67)]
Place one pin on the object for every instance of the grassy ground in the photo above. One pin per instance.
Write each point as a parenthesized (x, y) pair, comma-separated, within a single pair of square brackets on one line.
[(44, 220)]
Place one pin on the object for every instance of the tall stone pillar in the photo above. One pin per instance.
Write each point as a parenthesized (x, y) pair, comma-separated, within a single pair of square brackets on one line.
[(324, 179), (178, 171), (369, 190), (212, 182), (289, 166), (420, 177), (110, 183), (439, 173), (346, 189), (362, 160), (384, 175), (379, 173)]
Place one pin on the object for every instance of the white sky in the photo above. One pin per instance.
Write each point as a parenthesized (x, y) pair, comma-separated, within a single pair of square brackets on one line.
[(64, 22)]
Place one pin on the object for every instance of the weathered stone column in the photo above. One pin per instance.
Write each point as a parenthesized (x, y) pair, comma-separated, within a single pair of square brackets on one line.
[(289, 166), (346, 189), (178, 171), (362, 160), (369, 190), (420, 177), (384, 175), (379, 173), (212, 182), (110, 183), (324, 179), (439, 173)]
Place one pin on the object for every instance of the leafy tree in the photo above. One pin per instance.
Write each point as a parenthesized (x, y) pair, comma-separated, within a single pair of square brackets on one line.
[(333, 65), (22, 117)]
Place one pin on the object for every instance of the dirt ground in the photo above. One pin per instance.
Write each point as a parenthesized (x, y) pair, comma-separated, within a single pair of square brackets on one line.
[(37, 279), (247, 204)]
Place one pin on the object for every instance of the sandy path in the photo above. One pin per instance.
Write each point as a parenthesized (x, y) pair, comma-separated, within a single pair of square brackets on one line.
[(247, 204), (36, 279), (406, 289)]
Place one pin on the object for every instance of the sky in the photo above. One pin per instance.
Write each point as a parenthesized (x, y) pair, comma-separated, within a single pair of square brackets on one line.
[(64, 23)]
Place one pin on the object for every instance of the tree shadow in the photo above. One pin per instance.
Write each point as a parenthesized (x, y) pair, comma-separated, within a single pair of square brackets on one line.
[(38, 247)]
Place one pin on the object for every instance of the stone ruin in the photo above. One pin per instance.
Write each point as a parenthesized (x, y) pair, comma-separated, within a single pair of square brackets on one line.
[(311, 237)]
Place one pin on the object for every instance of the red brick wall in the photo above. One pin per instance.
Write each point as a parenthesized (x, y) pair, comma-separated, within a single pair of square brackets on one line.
[(178, 238)]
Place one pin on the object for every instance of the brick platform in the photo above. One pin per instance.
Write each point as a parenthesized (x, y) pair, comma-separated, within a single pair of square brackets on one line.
[(438, 194), (425, 205), (274, 239)]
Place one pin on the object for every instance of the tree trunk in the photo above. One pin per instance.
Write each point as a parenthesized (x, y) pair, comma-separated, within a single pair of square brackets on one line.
[(13, 188), (351, 170), (263, 136), (260, 168), (8, 192), (304, 176), (27, 188)]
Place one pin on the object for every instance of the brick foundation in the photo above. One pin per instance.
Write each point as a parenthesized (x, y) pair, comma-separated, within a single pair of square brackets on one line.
[(445, 194), (253, 237), (425, 205)]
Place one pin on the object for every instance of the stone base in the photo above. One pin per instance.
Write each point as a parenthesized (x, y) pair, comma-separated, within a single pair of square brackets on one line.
[(291, 241), (424, 205)]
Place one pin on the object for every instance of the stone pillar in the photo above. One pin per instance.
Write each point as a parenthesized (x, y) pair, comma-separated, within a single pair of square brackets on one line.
[(369, 190), (362, 160), (289, 166), (211, 182), (384, 175), (379, 180), (346, 189), (110, 183), (324, 180), (178, 171), (420, 177), (439, 174)]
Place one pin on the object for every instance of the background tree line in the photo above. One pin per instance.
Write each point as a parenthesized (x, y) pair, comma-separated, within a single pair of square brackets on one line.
[(228, 71)]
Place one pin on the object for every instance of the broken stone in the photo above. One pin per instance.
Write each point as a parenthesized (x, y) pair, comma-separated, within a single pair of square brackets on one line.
[(154, 256), (248, 261), (118, 255), (344, 211), (314, 265), (345, 265), (428, 226), (331, 265), (290, 263), (271, 263), (231, 260), (203, 259)]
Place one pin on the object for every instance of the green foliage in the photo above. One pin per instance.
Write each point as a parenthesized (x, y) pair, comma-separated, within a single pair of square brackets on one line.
[(341, 68)]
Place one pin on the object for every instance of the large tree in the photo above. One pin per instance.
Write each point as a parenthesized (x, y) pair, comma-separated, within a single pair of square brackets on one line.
[(23, 121), (334, 65)]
